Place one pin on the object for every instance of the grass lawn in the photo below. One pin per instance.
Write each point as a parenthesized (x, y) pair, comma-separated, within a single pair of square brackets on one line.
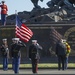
[(42, 65)]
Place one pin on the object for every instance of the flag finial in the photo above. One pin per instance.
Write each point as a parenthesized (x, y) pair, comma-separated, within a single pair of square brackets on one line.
[(15, 11)]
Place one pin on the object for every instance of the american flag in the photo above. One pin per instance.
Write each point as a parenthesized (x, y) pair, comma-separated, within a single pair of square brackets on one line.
[(54, 35), (22, 31)]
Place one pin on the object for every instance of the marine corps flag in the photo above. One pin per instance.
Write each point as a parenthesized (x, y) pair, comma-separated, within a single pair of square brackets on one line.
[(22, 31)]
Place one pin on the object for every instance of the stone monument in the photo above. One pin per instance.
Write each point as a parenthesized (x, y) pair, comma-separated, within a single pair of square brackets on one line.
[(59, 14)]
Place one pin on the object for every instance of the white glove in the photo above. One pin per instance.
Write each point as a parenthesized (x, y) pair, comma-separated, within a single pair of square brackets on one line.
[(7, 49), (37, 44), (20, 41)]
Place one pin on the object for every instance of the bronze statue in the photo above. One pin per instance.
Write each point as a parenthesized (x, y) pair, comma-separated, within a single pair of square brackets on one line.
[(61, 3), (35, 3), (61, 9), (52, 3)]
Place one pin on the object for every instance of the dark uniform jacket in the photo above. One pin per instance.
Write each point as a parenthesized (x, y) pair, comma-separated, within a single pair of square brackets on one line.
[(34, 51), (60, 49), (4, 50), (15, 49)]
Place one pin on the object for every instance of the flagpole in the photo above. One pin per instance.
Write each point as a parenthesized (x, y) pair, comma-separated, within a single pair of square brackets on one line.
[(15, 11), (15, 18)]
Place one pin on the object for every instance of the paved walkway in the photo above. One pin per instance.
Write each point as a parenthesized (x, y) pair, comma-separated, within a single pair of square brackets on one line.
[(40, 71)]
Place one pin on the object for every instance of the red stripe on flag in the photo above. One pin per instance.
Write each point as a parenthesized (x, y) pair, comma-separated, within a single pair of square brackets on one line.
[(23, 32)]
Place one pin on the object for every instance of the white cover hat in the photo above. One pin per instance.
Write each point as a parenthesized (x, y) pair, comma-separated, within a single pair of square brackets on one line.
[(4, 39), (34, 40), (16, 39), (63, 40)]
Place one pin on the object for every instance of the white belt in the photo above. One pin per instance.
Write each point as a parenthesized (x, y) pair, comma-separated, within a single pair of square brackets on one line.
[(3, 9)]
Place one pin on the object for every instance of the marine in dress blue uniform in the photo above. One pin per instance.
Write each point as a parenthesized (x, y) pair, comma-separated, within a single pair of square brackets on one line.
[(16, 54), (34, 55), (5, 54)]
